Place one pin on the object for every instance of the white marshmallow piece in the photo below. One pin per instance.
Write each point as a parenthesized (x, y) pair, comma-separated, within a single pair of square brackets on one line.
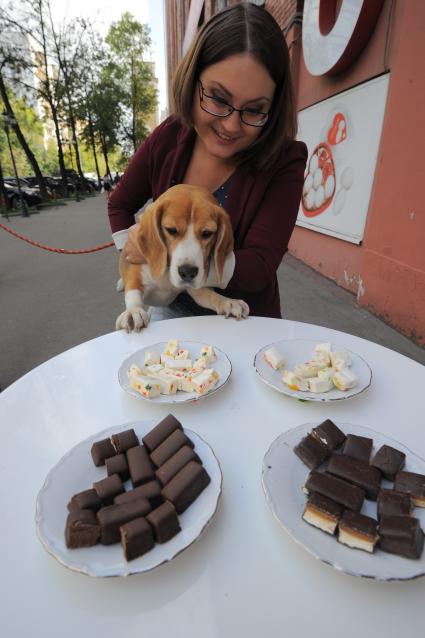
[(182, 353), (171, 348), (205, 381), (294, 382), (207, 353), (146, 386), (134, 371), (308, 369), (179, 364), (151, 358), (340, 359), (317, 385), (344, 379), (153, 370), (326, 373), (273, 357)]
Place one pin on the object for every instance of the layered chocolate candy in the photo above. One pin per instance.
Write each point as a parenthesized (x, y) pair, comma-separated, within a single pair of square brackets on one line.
[(102, 450), (338, 490), (393, 503), (389, 461), (150, 490), (136, 538), (160, 432), (322, 512), (357, 472), (108, 488), (118, 465), (358, 531), (123, 441), (359, 447), (401, 535), (413, 484), (85, 500), (140, 465), (186, 486), (164, 522), (82, 529), (174, 464), (111, 518), (311, 451), (329, 434)]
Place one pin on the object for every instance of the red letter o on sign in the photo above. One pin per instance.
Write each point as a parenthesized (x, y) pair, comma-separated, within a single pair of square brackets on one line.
[(330, 46)]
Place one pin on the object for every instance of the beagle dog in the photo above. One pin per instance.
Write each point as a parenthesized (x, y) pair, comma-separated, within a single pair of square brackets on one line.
[(186, 241)]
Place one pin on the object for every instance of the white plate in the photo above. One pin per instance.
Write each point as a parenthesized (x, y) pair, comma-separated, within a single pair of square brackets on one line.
[(284, 476), (76, 472), (222, 365), (297, 351)]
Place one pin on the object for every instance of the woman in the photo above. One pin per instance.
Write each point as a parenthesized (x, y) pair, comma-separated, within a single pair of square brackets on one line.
[(233, 133)]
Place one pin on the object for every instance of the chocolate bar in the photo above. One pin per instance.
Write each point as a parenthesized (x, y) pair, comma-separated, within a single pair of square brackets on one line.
[(123, 441), (174, 464), (102, 450), (150, 490), (338, 490), (311, 451), (118, 465), (401, 535), (165, 522), (136, 538), (160, 432), (413, 484), (86, 500), (358, 531), (357, 472), (389, 461), (112, 517), (140, 466), (393, 503), (82, 529), (322, 513), (108, 488), (169, 447), (329, 434), (186, 486), (358, 447)]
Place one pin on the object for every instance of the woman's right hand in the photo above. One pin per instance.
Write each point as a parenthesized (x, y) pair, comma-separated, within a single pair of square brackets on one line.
[(132, 252)]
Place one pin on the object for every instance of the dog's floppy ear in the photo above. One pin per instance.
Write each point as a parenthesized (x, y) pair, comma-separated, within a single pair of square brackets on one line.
[(151, 240), (224, 242)]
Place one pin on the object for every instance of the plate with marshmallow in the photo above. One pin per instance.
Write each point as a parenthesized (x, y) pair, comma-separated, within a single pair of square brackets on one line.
[(175, 371), (312, 371)]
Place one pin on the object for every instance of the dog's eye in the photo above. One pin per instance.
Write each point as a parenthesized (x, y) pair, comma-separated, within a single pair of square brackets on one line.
[(172, 231), (206, 234)]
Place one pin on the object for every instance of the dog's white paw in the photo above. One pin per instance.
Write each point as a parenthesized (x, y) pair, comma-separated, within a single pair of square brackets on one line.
[(233, 308), (135, 319)]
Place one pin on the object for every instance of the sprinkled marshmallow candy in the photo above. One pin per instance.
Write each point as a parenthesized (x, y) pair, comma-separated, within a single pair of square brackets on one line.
[(273, 357), (146, 386)]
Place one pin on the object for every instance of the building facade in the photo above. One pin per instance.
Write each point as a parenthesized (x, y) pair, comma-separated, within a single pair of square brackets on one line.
[(362, 217)]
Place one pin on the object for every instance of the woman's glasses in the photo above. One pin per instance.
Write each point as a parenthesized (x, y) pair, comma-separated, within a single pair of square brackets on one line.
[(219, 107)]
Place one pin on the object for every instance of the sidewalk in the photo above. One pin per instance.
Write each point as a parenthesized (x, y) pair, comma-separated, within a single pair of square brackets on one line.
[(51, 302)]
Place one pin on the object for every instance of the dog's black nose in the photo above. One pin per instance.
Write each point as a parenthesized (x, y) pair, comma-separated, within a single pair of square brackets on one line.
[(188, 272)]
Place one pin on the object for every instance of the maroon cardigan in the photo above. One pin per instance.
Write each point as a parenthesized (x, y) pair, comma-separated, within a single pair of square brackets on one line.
[(263, 207)]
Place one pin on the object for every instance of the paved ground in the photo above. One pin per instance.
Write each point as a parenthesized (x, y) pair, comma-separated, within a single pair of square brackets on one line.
[(51, 302)]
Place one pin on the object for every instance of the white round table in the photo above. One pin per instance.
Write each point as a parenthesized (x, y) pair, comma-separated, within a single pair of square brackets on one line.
[(245, 576)]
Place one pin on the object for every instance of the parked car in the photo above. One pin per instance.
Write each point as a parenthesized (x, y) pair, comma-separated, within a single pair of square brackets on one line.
[(30, 195)]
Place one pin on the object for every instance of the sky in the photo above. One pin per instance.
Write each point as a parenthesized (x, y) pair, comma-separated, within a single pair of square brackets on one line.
[(103, 13)]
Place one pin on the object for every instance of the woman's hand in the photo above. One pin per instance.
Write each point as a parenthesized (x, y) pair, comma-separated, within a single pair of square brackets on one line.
[(132, 251)]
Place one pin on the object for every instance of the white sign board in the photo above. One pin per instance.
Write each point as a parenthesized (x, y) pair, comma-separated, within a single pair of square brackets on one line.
[(342, 134)]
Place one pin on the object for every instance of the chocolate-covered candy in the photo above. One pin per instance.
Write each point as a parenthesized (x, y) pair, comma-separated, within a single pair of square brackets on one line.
[(102, 450), (393, 503), (401, 535), (389, 461), (86, 500), (139, 465), (169, 447), (174, 464), (108, 488), (160, 432), (150, 490), (118, 465), (322, 512), (359, 447), (338, 490), (136, 538), (358, 531), (357, 472), (164, 522), (123, 441), (82, 529), (329, 434), (111, 518), (413, 484), (311, 451), (186, 486)]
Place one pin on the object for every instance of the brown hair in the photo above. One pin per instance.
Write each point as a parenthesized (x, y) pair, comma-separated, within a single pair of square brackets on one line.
[(242, 28)]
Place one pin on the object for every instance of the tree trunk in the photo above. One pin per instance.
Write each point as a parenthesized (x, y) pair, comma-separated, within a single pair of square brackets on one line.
[(3, 194), (105, 154), (93, 143), (28, 152)]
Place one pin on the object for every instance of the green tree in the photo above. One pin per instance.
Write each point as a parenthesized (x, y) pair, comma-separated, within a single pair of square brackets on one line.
[(129, 41)]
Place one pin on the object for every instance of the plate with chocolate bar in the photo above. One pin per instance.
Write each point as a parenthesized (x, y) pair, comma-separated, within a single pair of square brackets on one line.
[(312, 371), (175, 372), (352, 497), (129, 498)]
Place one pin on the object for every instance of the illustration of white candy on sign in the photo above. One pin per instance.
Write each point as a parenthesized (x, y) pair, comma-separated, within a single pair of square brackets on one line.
[(174, 370), (319, 183), (326, 370)]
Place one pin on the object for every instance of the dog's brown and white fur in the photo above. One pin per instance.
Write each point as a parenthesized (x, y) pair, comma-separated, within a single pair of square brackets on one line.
[(180, 236)]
